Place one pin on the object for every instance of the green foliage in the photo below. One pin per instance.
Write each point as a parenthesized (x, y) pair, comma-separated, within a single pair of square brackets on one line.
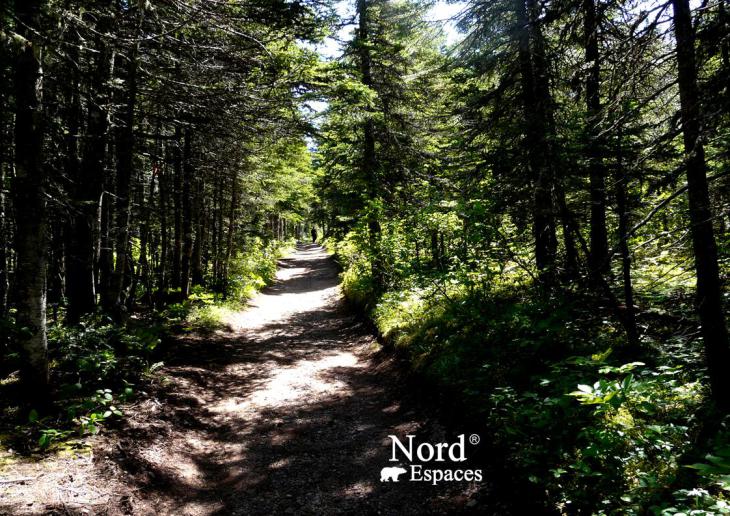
[(357, 282), (97, 365), (596, 434), (254, 268), (98, 351), (711, 491)]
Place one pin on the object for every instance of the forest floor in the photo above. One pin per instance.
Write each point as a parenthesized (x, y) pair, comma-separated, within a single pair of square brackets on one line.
[(286, 412)]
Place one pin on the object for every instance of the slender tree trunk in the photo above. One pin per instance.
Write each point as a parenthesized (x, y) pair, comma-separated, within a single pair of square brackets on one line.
[(220, 262), (88, 183), (566, 220), (164, 182), (5, 160), (215, 229), (29, 200), (143, 269), (231, 230), (177, 206), (199, 222), (632, 333), (4, 236), (56, 274), (622, 210), (722, 18), (105, 244), (709, 294), (4, 241), (534, 100), (598, 258), (369, 159), (80, 245), (125, 154), (724, 35), (187, 215), (434, 249)]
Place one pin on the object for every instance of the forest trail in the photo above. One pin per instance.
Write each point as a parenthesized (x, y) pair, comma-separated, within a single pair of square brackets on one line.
[(287, 413)]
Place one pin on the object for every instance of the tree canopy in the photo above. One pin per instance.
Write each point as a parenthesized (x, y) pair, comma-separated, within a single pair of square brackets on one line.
[(535, 215)]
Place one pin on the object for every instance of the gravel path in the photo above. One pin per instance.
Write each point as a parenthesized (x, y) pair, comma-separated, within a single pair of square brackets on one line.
[(287, 413)]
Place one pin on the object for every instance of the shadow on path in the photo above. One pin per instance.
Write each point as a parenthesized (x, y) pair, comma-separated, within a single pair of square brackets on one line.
[(288, 414)]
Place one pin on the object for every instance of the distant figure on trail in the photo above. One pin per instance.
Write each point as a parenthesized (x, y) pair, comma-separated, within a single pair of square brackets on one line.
[(314, 235)]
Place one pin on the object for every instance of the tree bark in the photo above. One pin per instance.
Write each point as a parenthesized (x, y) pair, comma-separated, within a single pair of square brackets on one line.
[(29, 200), (598, 258), (622, 208), (199, 222), (79, 267), (88, 184), (177, 207), (5, 160), (535, 101), (709, 294), (231, 231), (187, 215), (164, 185), (632, 333), (125, 154)]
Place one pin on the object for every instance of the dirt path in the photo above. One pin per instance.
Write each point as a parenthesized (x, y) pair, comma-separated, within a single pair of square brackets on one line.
[(288, 413)]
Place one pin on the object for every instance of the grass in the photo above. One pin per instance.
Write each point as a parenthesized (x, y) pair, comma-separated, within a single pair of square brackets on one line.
[(99, 365), (542, 374)]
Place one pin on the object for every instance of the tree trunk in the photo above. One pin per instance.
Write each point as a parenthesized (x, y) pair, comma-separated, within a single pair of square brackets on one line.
[(29, 199), (143, 269), (164, 183), (106, 254), (198, 215), (220, 262), (709, 294), (534, 100), (622, 210), (88, 186), (434, 249), (125, 155), (632, 333), (177, 206), (79, 267), (231, 230), (369, 159), (598, 258), (5, 159), (187, 215)]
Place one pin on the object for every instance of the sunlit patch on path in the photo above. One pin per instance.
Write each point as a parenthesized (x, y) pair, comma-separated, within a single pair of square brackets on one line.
[(288, 413), (296, 384)]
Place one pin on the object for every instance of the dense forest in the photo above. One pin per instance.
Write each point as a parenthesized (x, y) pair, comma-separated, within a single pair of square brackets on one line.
[(529, 201)]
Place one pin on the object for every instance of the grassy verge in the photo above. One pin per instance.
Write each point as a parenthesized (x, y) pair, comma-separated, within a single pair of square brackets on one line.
[(99, 365), (593, 433)]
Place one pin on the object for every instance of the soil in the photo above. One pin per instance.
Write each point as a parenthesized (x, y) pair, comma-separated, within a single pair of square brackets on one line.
[(289, 412)]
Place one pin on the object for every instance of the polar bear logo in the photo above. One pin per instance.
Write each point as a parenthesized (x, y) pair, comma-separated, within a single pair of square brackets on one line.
[(387, 474)]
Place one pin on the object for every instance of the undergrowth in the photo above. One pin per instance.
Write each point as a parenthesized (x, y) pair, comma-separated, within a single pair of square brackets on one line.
[(99, 364), (542, 373)]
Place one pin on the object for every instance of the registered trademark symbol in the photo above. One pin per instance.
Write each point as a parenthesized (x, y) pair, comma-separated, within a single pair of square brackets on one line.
[(474, 439)]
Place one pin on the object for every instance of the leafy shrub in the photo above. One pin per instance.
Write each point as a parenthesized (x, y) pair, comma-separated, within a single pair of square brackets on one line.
[(97, 364), (598, 436), (254, 268)]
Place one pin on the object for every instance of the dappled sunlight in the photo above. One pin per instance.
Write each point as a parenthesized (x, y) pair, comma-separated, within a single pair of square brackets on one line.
[(295, 385), (249, 421), (297, 290), (358, 489)]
